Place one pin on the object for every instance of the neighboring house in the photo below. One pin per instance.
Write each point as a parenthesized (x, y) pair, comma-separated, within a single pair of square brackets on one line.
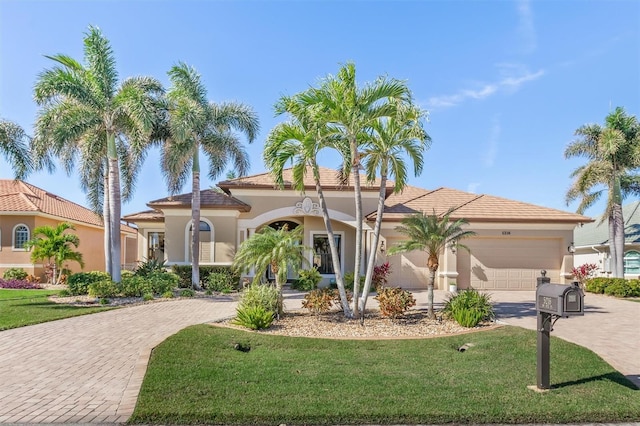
[(592, 243), (24, 207), (515, 240)]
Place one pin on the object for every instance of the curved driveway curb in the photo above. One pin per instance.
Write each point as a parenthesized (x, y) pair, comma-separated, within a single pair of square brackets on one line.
[(90, 368)]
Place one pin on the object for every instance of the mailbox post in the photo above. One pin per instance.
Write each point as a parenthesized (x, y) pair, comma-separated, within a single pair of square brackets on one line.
[(553, 301)]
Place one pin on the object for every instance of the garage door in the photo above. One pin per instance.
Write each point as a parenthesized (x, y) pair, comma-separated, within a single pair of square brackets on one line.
[(508, 264)]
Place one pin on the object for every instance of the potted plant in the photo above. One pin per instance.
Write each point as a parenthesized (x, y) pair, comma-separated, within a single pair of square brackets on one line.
[(453, 287)]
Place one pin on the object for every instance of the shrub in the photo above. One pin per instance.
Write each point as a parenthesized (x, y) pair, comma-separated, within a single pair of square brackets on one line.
[(184, 274), (135, 286), (319, 301), (254, 317), (380, 275), (79, 283), (336, 297), (168, 294), (15, 274), (394, 301), (623, 288), (104, 288), (149, 266), (584, 272), (187, 292), (19, 284), (147, 296), (308, 279), (264, 295), (348, 281), (221, 281), (162, 281), (64, 293), (104, 301), (469, 307)]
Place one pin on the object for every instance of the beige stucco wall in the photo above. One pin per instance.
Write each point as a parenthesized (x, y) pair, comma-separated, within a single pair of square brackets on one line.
[(91, 245)]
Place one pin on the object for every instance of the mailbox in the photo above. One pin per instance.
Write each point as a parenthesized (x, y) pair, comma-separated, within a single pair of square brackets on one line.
[(559, 299)]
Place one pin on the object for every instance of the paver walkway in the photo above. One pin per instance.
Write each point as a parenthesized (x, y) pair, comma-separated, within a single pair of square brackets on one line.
[(90, 368)]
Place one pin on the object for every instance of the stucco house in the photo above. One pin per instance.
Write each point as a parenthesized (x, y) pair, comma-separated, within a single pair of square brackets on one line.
[(24, 207), (514, 241), (592, 243)]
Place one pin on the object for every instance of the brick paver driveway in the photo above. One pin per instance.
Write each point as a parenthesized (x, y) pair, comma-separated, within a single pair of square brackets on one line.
[(90, 368)]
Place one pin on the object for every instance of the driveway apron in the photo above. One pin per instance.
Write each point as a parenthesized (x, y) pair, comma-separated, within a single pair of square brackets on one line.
[(90, 368), (610, 327)]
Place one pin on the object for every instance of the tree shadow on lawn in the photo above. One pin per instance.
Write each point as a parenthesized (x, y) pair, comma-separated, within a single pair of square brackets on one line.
[(616, 377)]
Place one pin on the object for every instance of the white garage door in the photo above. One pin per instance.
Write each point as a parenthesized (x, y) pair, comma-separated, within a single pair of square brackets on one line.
[(508, 264)]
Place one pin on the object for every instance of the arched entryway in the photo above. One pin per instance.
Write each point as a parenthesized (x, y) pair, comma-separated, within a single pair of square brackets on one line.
[(292, 273)]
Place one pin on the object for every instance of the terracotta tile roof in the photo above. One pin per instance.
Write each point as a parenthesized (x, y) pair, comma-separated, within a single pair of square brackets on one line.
[(147, 215), (209, 198), (476, 208), (21, 197), (329, 179)]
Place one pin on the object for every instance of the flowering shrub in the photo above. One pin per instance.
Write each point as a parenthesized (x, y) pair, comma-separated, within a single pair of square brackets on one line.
[(19, 284), (319, 300), (583, 272)]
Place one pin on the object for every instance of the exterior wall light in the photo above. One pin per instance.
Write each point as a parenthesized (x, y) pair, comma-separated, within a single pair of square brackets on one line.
[(572, 248)]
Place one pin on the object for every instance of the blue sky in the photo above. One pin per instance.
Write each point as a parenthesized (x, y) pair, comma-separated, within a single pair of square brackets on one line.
[(506, 82)]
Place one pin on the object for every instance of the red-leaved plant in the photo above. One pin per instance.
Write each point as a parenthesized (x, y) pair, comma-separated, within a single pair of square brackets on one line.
[(380, 275), (583, 272)]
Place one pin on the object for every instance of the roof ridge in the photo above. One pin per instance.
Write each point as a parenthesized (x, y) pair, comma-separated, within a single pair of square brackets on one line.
[(477, 197), (28, 200)]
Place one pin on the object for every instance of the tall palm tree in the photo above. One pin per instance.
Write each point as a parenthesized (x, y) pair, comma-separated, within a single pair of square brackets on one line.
[(300, 141), (393, 141), (14, 145), (431, 234), (196, 124), (275, 250), (87, 115), (349, 110), (613, 157), (55, 246)]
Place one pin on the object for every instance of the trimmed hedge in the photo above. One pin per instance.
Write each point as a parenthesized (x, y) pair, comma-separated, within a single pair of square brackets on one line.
[(184, 273), (618, 287)]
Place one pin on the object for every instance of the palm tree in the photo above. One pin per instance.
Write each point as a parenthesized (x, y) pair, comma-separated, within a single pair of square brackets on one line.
[(87, 116), (431, 234), (300, 141), (272, 249), (348, 111), (14, 146), (392, 140), (613, 154), (196, 124), (55, 246)]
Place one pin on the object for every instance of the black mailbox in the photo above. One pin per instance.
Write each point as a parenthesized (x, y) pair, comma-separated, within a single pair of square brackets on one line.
[(559, 299)]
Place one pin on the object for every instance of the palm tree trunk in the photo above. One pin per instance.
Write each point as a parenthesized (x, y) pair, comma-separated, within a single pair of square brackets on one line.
[(114, 206), (332, 245), (432, 278), (107, 227), (374, 247), (618, 241), (358, 201), (195, 222), (277, 274)]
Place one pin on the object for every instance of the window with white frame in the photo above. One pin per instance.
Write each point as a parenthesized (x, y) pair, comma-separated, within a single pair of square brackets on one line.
[(632, 263), (20, 236)]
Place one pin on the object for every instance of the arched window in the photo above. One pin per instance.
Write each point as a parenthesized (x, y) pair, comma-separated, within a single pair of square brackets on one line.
[(20, 236), (632, 262), (206, 242)]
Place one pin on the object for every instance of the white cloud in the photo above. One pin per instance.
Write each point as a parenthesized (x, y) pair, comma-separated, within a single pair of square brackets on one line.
[(512, 77), (472, 187), (526, 28), (489, 156)]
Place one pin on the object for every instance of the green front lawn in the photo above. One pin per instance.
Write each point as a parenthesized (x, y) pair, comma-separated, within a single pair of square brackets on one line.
[(26, 307), (196, 376)]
